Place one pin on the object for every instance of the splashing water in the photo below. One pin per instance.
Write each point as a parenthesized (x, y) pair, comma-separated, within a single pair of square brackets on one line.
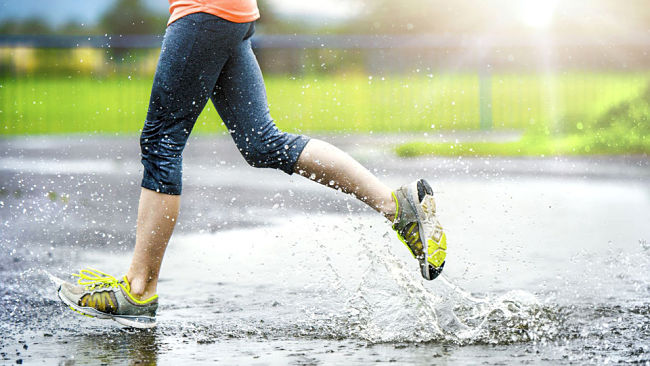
[(413, 310), (364, 288), (570, 234)]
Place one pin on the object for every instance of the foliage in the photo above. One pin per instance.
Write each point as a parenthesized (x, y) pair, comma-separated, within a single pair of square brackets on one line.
[(123, 17), (132, 17), (625, 125), (623, 129), (575, 18), (26, 26)]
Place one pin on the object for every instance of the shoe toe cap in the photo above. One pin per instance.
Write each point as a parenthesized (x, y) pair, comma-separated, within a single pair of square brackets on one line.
[(70, 290)]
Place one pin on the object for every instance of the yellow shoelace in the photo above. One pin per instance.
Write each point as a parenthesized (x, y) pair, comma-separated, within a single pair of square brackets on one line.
[(91, 278)]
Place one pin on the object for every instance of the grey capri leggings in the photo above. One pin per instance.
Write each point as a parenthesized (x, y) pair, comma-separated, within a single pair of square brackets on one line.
[(204, 56)]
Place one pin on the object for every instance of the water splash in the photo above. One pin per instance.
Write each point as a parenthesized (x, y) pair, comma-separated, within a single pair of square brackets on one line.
[(396, 305)]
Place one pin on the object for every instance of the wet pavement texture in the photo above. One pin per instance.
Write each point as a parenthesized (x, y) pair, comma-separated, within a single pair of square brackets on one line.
[(548, 261)]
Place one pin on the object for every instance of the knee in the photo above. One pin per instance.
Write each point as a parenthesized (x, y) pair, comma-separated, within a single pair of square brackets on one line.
[(156, 145), (274, 149), (260, 154)]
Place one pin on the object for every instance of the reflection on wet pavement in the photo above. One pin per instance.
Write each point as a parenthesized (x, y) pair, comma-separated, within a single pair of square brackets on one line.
[(546, 264)]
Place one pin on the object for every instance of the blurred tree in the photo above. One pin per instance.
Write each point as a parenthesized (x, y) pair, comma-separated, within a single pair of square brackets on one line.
[(128, 17), (424, 16), (27, 26), (271, 23), (9, 27), (72, 27), (267, 15), (132, 17), (36, 26), (498, 16)]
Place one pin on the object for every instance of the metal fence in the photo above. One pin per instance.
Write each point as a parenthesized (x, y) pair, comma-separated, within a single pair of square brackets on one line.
[(332, 83)]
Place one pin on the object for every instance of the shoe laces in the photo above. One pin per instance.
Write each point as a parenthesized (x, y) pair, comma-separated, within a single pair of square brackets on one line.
[(91, 278)]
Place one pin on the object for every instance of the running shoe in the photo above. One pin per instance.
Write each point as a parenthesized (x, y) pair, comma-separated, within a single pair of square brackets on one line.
[(418, 227), (99, 295)]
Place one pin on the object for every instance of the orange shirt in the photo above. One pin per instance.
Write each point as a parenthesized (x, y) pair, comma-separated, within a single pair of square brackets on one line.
[(237, 11)]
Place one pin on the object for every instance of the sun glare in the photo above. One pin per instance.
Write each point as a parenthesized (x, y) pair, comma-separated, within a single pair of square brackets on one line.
[(538, 13)]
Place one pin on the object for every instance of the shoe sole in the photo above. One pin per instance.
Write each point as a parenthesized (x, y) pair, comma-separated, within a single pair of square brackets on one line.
[(140, 322), (428, 202)]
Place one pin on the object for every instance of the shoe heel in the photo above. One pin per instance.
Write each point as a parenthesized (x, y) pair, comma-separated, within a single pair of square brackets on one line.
[(424, 189), (430, 273)]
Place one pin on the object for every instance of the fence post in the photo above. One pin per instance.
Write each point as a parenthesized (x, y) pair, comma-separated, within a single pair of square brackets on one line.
[(485, 99)]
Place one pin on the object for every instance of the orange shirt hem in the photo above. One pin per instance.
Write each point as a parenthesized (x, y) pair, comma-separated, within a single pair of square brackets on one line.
[(182, 8)]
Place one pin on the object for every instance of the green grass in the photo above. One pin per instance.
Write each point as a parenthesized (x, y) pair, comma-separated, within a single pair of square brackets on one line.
[(622, 129), (530, 146), (335, 103)]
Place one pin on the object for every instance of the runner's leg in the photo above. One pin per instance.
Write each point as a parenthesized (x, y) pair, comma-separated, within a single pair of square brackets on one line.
[(240, 99), (328, 165), (194, 51), (157, 214)]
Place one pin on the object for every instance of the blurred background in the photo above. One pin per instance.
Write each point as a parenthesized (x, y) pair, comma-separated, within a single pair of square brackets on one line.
[(554, 77)]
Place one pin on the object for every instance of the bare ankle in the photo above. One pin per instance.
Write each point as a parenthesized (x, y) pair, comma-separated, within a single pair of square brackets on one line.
[(141, 288), (390, 216), (389, 210)]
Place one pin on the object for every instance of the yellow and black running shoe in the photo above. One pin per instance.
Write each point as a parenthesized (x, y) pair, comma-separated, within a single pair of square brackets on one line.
[(103, 296), (418, 227)]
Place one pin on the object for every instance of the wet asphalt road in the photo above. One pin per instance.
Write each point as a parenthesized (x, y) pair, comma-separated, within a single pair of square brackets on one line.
[(572, 233)]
